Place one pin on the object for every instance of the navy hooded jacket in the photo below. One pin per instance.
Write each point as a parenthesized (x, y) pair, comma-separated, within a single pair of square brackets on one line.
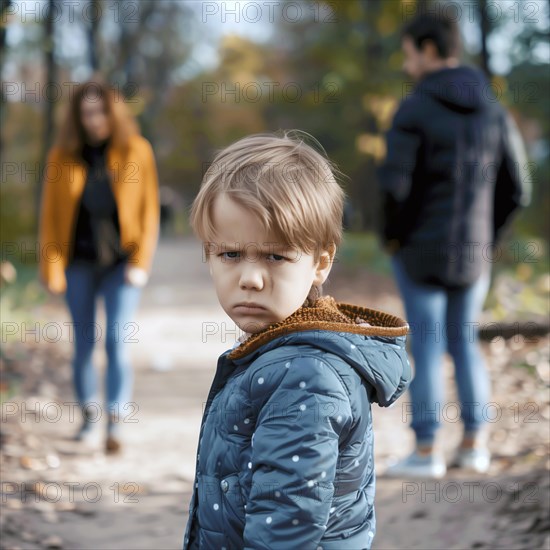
[(454, 173), (285, 454)]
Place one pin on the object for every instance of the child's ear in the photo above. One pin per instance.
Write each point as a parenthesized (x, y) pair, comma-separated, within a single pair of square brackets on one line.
[(324, 265)]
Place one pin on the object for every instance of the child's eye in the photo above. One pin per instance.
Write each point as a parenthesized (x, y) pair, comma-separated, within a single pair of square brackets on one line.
[(231, 255), (276, 257)]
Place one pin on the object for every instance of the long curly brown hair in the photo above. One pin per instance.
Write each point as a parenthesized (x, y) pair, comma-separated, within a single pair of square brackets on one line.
[(71, 135)]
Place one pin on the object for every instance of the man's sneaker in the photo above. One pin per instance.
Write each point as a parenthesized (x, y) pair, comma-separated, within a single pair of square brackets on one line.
[(476, 459), (431, 466)]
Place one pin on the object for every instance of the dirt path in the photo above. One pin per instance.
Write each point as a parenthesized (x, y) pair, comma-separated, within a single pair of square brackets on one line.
[(57, 494)]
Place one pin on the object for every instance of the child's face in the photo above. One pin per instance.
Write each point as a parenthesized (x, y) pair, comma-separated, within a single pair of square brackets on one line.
[(249, 265)]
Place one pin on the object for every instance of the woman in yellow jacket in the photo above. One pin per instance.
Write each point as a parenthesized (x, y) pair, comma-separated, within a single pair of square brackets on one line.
[(99, 225)]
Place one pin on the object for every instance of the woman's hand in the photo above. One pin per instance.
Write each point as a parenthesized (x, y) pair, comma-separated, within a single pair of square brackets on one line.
[(48, 288), (135, 276), (52, 291)]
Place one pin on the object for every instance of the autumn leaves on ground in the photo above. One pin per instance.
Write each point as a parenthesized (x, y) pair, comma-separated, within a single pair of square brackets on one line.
[(57, 493)]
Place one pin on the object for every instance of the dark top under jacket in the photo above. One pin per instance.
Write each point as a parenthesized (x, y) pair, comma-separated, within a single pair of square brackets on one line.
[(97, 233), (455, 171)]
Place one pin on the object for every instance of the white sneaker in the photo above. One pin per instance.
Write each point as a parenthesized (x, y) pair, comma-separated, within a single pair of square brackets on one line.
[(430, 466), (476, 459), (89, 433)]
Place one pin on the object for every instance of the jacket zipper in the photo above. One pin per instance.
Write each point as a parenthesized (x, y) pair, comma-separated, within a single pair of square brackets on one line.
[(209, 400)]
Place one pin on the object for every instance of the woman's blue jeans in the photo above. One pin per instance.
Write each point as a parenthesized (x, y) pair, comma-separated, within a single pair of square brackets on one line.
[(85, 282), (444, 320)]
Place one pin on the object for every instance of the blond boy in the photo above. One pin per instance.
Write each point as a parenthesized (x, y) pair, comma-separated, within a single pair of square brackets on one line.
[(285, 454)]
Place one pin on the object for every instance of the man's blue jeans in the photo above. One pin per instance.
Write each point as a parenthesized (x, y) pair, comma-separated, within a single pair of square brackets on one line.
[(85, 282), (444, 320)]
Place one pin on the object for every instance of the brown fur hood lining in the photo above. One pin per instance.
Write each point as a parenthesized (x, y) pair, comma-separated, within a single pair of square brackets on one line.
[(327, 314)]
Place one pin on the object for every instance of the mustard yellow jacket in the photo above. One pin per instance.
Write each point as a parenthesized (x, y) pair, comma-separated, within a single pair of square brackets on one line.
[(134, 181)]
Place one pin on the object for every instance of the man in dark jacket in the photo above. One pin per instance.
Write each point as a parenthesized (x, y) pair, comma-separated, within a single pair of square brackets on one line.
[(454, 174)]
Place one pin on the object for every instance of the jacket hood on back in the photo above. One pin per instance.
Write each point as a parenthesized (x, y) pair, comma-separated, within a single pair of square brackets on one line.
[(371, 341), (464, 88)]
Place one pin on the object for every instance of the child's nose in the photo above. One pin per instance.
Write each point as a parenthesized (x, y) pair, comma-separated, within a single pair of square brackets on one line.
[(251, 276)]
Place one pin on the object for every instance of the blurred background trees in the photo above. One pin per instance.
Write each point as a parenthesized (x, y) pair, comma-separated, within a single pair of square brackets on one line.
[(199, 78)]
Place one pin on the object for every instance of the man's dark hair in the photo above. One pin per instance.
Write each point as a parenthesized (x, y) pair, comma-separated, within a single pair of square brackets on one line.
[(441, 30)]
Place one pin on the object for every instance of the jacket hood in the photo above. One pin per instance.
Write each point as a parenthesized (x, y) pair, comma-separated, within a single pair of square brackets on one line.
[(371, 341), (464, 89)]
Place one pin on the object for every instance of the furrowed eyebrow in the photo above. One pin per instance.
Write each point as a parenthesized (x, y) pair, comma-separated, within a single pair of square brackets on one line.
[(275, 249)]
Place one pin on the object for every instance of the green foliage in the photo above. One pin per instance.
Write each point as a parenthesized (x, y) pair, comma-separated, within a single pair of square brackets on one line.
[(336, 73), (521, 282), (362, 250), (17, 300)]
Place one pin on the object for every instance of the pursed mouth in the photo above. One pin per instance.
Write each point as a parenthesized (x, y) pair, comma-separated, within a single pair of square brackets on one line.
[(247, 307)]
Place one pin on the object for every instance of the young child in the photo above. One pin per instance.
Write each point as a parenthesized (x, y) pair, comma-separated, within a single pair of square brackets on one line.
[(285, 455)]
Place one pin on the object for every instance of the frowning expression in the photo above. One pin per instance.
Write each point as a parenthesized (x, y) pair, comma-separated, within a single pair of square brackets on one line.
[(250, 265)]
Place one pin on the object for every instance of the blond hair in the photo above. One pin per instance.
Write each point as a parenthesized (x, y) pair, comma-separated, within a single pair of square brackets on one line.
[(286, 183)]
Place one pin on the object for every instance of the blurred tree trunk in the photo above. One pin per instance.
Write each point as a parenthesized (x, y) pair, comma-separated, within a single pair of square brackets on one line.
[(92, 35), (51, 78), (4, 5), (49, 47), (150, 46), (131, 30), (374, 54), (485, 28)]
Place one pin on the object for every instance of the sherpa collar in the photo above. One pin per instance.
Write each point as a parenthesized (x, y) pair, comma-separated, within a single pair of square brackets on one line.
[(327, 314)]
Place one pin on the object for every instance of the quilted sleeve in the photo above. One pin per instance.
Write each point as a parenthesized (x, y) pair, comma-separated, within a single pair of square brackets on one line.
[(303, 409)]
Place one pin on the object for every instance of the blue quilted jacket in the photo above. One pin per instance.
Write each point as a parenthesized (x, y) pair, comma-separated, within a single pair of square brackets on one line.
[(285, 455)]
